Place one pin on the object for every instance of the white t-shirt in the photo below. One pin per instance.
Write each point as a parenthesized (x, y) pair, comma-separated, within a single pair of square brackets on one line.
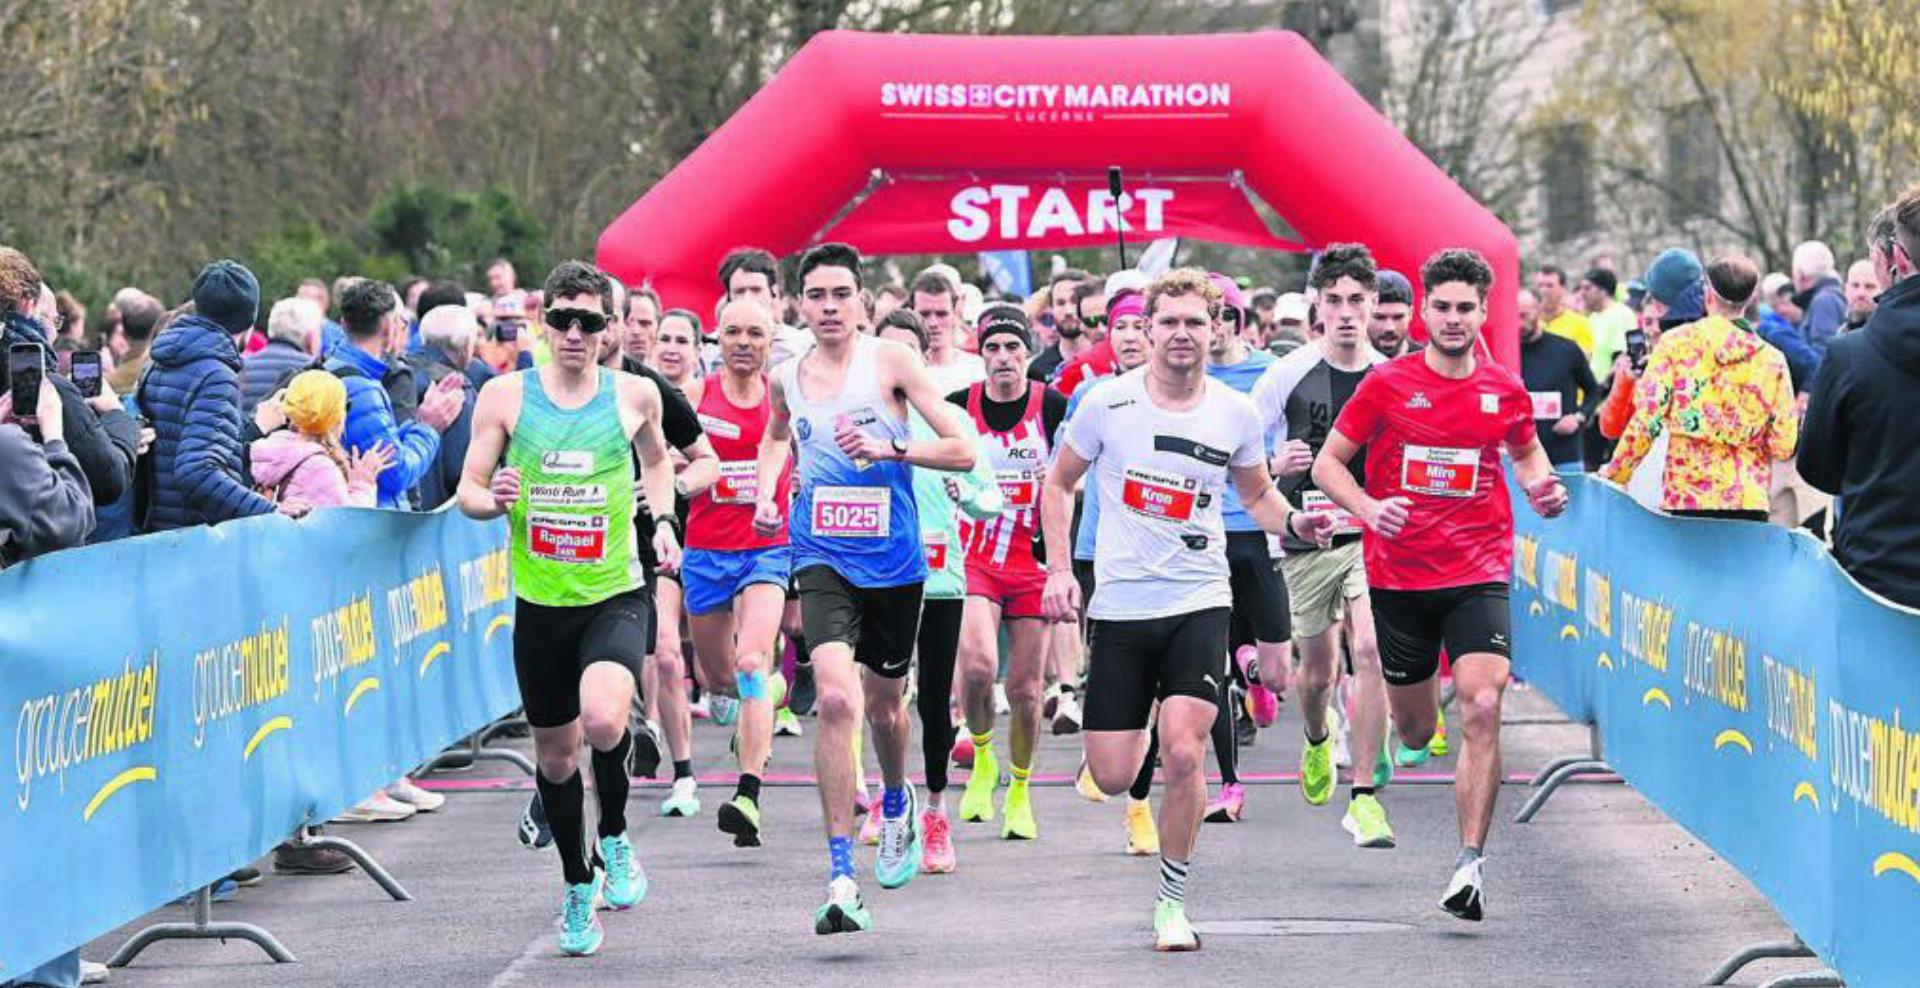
[(966, 370), (1162, 549), (789, 342)]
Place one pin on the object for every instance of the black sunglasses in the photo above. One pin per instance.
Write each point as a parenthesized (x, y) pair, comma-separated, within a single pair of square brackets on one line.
[(1093, 322), (588, 321)]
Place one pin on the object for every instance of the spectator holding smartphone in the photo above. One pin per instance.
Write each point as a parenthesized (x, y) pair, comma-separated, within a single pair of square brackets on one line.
[(45, 504)]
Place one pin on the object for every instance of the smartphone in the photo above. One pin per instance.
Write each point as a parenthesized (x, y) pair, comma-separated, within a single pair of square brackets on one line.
[(26, 366), (1637, 350), (86, 372)]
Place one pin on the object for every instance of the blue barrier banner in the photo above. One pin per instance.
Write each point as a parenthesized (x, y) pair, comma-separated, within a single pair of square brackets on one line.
[(181, 703), (1755, 694)]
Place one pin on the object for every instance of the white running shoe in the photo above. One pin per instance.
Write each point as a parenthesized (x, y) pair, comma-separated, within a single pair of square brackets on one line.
[(1337, 724), (1466, 893), (684, 801), (377, 808), (1066, 714), (1000, 706), (422, 800)]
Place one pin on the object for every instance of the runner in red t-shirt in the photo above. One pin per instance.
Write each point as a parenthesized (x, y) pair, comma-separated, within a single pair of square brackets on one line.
[(1439, 543), (736, 578)]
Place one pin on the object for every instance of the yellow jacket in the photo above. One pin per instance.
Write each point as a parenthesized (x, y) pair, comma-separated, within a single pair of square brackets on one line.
[(1722, 397)]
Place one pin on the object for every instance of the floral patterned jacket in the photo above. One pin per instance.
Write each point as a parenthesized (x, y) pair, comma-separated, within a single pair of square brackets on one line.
[(1723, 398)]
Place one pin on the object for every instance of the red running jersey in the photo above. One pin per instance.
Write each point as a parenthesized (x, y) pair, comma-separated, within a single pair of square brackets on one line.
[(721, 517), (1437, 442), (1019, 461)]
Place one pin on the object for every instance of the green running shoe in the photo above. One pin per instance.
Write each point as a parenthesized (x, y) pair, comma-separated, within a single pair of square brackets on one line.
[(623, 882), (786, 725), (976, 803), (740, 817), (580, 931), (1406, 757), (1366, 821), (1438, 746), (844, 911), (1316, 771), (1171, 931), (1018, 809)]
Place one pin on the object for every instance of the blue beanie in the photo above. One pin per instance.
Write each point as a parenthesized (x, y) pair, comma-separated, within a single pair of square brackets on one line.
[(228, 294), (1677, 279)]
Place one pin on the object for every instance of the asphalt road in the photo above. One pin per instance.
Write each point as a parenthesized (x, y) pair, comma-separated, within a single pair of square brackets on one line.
[(1599, 890)]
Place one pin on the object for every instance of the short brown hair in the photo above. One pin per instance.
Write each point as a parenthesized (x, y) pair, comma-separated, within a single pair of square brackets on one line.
[(1185, 281), (1733, 277), (935, 283), (1906, 222), (19, 281)]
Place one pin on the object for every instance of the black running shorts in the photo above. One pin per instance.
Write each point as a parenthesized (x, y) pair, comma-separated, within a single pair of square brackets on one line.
[(1413, 625), (1133, 663), (553, 646), (1261, 612), (880, 624)]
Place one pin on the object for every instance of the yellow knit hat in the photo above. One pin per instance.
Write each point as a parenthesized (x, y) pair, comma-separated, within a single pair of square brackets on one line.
[(316, 402)]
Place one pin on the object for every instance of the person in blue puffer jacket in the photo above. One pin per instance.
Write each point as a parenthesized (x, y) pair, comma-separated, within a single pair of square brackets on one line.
[(191, 396), (376, 325)]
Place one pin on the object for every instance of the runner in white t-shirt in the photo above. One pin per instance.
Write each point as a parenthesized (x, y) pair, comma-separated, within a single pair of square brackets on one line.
[(1164, 442)]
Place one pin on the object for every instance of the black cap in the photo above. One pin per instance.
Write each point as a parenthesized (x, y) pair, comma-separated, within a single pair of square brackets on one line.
[(1604, 280), (1004, 319)]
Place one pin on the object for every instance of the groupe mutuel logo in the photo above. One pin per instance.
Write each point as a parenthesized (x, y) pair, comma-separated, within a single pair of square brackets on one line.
[(1049, 96)]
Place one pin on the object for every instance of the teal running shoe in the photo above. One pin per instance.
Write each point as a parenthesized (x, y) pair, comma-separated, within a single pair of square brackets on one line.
[(623, 882), (580, 931), (844, 912)]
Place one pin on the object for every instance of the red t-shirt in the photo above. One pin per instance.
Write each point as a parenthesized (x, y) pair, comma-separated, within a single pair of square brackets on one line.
[(721, 517), (1436, 441)]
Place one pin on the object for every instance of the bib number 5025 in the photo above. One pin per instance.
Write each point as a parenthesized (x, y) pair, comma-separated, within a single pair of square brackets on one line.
[(852, 512)]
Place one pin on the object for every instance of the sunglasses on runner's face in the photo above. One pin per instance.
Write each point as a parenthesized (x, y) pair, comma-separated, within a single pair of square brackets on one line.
[(588, 321)]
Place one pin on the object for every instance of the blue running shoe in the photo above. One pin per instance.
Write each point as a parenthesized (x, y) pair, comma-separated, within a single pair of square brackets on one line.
[(580, 931), (623, 882), (901, 845)]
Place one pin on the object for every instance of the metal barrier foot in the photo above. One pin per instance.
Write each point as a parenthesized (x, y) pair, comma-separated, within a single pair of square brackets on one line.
[(1758, 952), (1558, 778), (361, 858), (479, 752), (1826, 977), (1540, 777), (202, 928)]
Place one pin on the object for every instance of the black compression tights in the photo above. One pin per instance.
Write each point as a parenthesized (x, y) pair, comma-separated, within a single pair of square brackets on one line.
[(939, 643)]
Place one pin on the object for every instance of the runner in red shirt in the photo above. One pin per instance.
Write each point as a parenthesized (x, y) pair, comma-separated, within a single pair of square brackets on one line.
[(1439, 543)]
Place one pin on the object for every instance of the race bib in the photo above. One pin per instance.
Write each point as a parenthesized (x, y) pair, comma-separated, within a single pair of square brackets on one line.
[(1157, 494), (1019, 488), (739, 482), (1546, 404), (1343, 521), (1440, 471), (936, 546), (852, 512), (567, 538)]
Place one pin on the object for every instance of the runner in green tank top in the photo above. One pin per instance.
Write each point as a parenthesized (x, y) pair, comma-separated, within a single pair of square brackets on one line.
[(567, 487)]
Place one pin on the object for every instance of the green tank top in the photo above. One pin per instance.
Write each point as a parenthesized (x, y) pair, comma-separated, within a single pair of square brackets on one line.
[(573, 540)]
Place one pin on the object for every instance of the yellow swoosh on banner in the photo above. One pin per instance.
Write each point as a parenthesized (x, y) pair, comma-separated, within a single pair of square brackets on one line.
[(1895, 861), (1569, 633), (360, 689), (1731, 737), (1535, 609), (1604, 661), (503, 621), (280, 723), (433, 654), (1806, 789), (1656, 693), (140, 773)]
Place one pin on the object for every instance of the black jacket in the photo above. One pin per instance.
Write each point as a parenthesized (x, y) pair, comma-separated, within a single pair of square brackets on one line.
[(442, 480), (1859, 441), (104, 445)]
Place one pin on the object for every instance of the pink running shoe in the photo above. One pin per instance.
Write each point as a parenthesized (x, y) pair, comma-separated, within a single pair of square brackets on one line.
[(963, 751), (1227, 809), (939, 857), (870, 827), (1263, 703)]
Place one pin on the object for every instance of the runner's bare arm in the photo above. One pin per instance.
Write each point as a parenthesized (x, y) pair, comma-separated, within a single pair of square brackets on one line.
[(1534, 471), (951, 451), (702, 469), (485, 450), (776, 444), (1270, 510), (1331, 475)]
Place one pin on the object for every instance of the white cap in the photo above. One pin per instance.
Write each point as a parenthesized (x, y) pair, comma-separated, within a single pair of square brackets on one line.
[(1290, 307), (971, 301), (1772, 283), (1130, 279)]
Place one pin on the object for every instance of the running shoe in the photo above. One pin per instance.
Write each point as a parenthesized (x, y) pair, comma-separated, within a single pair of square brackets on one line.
[(643, 755), (776, 691), (1337, 729), (1230, 805), (1316, 771), (976, 803), (902, 846), (1051, 702), (1466, 892), (800, 699), (1143, 838), (963, 751), (844, 911), (1437, 747), (740, 817), (1265, 705), (623, 883), (723, 709), (1366, 822), (1066, 715), (684, 800), (246, 877), (785, 724), (870, 827), (1000, 707), (1018, 811), (940, 859), (1406, 757), (700, 708), (1383, 763), (1171, 931), (1083, 784), (420, 799), (535, 832), (580, 932)]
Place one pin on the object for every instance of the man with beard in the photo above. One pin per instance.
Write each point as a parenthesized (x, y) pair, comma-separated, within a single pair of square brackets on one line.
[(1062, 305)]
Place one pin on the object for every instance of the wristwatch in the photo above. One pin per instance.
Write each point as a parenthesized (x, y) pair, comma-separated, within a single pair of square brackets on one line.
[(899, 449), (670, 520)]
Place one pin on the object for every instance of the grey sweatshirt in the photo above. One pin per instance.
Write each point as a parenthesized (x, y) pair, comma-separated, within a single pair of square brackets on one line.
[(45, 503)]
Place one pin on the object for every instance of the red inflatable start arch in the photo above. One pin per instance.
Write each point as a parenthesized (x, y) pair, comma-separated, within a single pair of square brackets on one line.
[(955, 143)]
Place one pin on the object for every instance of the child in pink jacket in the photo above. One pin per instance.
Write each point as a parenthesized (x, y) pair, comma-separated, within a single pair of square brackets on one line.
[(303, 464)]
